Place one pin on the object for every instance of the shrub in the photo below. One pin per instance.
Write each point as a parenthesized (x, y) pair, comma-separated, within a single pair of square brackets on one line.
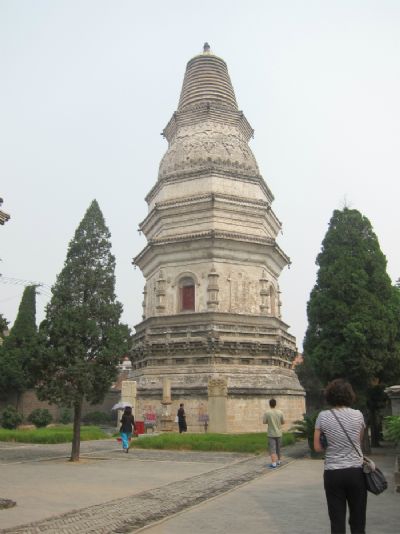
[(96, 418), (305, 428), (65, 416), (40, 417), (392, 428), (10, 418)]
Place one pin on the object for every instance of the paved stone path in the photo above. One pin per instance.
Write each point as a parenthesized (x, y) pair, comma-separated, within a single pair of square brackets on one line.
[(104, 449), (132, 513)]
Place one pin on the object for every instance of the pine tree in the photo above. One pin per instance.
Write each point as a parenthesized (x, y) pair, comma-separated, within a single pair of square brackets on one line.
[(353, 311), (19, 348), (82, 337)]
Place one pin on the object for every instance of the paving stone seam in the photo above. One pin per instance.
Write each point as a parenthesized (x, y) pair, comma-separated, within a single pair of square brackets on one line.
[(151, 505), (209, 499)]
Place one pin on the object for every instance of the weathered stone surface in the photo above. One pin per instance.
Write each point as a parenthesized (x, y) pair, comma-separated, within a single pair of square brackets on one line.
[(212, 236)]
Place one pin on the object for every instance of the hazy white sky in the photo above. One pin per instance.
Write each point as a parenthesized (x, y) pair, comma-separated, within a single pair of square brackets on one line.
[(88, 85)]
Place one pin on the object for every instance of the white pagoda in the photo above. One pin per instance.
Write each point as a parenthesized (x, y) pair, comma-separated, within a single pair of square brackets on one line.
[(212, 304)]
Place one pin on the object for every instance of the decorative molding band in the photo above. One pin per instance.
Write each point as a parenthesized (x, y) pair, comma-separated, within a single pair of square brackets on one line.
[(210, 198), (178, 201), (231, 353), (206, 171), (205, 111), (212, 234)]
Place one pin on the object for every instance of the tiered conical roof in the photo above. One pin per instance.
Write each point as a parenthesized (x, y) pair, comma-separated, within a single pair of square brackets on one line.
[(207, 129), (207, 79)]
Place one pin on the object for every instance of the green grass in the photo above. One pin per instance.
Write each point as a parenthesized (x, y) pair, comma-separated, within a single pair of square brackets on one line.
[(59, 434), (253, 443)]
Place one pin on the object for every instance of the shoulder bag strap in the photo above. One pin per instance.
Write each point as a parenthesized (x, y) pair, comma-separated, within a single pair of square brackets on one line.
[(344, 430)]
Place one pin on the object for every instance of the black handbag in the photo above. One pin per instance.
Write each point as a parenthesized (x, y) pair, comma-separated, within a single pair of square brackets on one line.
[(375, 480)]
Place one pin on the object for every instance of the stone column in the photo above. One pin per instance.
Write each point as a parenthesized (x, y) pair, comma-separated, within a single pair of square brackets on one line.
[(217, 404), (393, 392), (166, 418), (160, 293), (128, 394), (213, 290)]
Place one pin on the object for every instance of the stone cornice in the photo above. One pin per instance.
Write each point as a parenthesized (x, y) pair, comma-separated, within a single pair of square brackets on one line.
[(206, 171), (230, 340), (245, 353), (214, 321), (214, 234), (211, 236), (177, 392), (209, 198), (204, 111), (212, 196)]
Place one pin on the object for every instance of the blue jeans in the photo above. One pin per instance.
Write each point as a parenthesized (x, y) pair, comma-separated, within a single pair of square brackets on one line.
[(125, 439)]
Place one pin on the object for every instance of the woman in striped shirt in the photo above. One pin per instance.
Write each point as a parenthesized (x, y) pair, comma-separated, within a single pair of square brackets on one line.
[(343, 475)]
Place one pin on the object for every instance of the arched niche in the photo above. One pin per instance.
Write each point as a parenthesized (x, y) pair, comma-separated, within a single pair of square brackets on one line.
[(186, 285)]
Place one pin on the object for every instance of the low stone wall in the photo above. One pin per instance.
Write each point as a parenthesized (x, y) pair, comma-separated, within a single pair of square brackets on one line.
[(28, 401)]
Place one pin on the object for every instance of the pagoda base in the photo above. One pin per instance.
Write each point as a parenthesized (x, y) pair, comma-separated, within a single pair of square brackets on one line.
[(248, 392)]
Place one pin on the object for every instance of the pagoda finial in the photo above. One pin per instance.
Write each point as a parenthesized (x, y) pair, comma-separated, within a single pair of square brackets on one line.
[(206, 48)]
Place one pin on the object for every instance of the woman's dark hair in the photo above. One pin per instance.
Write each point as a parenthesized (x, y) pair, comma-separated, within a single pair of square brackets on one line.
[(127, 410), (339, 393)]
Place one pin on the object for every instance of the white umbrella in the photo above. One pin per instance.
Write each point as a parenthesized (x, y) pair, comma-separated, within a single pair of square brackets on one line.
[(121, 405)]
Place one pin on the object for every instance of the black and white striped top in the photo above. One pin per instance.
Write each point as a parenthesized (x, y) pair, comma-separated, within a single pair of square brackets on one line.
[(340, 454)]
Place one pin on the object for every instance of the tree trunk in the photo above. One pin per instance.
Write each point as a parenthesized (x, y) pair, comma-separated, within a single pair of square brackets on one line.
[(375, 429), (365, 445), (76, 438)]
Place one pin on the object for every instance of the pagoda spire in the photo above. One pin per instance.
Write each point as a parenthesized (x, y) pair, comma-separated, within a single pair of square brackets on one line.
[(207, 80)]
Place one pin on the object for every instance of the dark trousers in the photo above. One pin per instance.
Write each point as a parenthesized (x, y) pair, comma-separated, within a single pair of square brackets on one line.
[(346, 486), (182, 426)]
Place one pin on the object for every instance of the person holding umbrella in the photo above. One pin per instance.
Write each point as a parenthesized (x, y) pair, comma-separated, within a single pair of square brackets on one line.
[(127, 427)]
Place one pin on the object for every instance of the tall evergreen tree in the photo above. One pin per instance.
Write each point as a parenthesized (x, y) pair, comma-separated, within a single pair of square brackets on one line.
[(82, 337), (353, 311), (3, 325), (19, 348)]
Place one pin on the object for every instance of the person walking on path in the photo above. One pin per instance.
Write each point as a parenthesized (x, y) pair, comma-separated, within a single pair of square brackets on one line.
[(274, 419), (344, 482), (127, 427), (181, 419)]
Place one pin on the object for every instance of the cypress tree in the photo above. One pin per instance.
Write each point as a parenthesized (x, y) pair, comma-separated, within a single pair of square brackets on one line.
[(19, 348), (3, 325), (353, 312), (82, 337)]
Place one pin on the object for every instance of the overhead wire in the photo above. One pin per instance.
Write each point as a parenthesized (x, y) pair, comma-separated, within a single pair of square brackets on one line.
[(41, 287)]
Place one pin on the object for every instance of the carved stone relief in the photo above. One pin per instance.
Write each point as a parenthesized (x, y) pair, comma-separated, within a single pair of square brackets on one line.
[(208, 141), (217, 387)]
